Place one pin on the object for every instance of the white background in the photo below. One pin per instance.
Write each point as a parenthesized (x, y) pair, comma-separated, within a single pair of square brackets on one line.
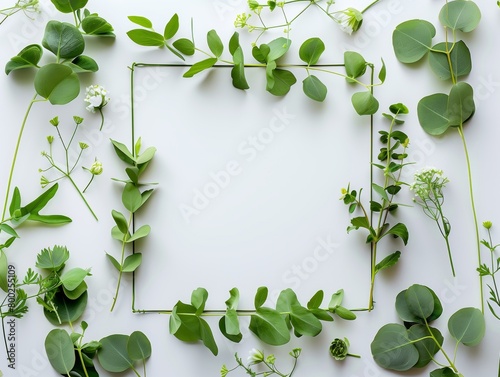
[(265, 226)]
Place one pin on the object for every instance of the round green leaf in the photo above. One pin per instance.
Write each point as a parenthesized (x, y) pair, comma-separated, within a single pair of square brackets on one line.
[(412, 40), (432, 114), (27, 57), (460, 15), (444, 372), (113, 355), (138, 346), (131, 198), (391, 348), (60, 352), (67, 310), (57, 83), (310, 51), (314, 88), (185, 46), (63, 39), (68, 6), (467, 326), (364, 103), (95, 25), (283, 81), (420, 301), (461, 105), (269, 326), (355, 64), (459, 56), (427, 348)]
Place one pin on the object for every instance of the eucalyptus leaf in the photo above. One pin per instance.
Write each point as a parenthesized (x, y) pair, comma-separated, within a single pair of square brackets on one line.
[(64, 40), (28, 57), (59, 350), (427, 347), (355, 65), (260, 297), (57, 83), (365, 103), (459, 59), (77, 292), (444, 372), (412, 40), (114, 262), (283, 81), (122, 152), (229, 326), (142, 232), (316, 301), (311, 50), (146, 156), (345, 313), (83, 64), (120, 221), (420, 301), (198, 299), (391, 348), (314, 88), (207, 337), (433, 114), (269, 326), (138, 346), (113, 355), (467, 326), (69, 311), (460, 15), (131, 198), (461, 105), (336, 299), (277, 48)]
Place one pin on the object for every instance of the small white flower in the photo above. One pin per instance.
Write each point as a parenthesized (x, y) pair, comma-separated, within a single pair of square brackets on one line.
[(256, 356), (96, 97), (349, 19)]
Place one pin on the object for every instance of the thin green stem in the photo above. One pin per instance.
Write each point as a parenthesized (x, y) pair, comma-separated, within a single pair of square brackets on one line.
[(14, 159), (122, 259), (474, 214), (79, 350), (369, 6), (82, 196), (102, 119)]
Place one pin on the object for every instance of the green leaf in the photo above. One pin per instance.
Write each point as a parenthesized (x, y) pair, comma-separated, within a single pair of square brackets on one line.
[(139, 346), (131, 198), (142, 232), (460, 15), (238, 71), (277, 48), (260, 53), (233, 300), (381, 191), (399, 230), (207, 337), (185, 46), (171, 27), (95, 25), (467, 326), (57, 83), (269, 326), (141, 21), (383, 72), (27, 57), (52, 259), (146, 156), (198, 299), (50, 219), (355, 65), (461, 105), (345, 313), (113, 355), (60, 352), (260, 297), (63, 39), (316, 301), (120, 221), (77, 292), (214, 43), (69, 311), (364, 103), (4, 267), (114, 262), (459, 56), (391, 348), (407, 315), (183, 323), (68, 6), (122, 152), (73, 278), (314, 88), (83, 64), (444, 372), (15, 202), (200, 66), (311, 50), (302, 320), (283, 81), (132, 262), (387, 262), (412, 40), (428, 347), (360, 222), (146, 37), (398, 108), (336, 299), (8, 229), (229, 326), (432, 114), (420, 301)]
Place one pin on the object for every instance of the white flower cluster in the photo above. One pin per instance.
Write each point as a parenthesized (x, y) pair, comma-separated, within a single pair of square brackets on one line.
[(429, 182), (97, 97)]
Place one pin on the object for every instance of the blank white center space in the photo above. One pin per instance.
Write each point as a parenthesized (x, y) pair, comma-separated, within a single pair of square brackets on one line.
[(249, 188)]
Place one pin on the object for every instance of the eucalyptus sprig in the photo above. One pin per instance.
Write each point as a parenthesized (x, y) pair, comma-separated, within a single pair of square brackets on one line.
[(491, 270), (134, 196), (449, 60), (428, 188), (65, 171), (415, 344), (25, 6), (270, 325), (268, 363), (279, 77), (391, 163)]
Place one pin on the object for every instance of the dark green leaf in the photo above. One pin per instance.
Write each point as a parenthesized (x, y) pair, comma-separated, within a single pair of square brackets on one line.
[(277, 48), (139, 346), (459, 57), (314, 88), (95, 25), (146, 37), (185, 46), (399, 230), (83, 64), (200, 66), (310, 51), (27, 57), (171, 27), (63, 40), (57, 83), (60, 352), (420, 301), (467, 326), (4, 267), (412, 40), (230, 321), (398, 108), (68, 6), (132, 262), (207, 337), (69, 311), (428, 347), (383, 73), (113, 355), (214, 43), (443, 372), (387, 262)]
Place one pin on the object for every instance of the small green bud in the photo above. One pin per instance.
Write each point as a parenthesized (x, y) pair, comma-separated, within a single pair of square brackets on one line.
[(295, 352), (271, 359), (83, 145), (54, 121), (487, 224), (50, 139), (44, 181), (78, 120), (96, 168), (339, 348), (224, 371)]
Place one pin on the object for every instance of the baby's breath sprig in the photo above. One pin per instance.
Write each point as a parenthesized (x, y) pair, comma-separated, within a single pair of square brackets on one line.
[(428, 188), (96, 97), (67, 168)]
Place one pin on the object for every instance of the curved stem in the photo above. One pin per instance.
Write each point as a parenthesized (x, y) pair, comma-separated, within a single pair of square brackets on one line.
[(14, 159), (102, 119), (473, 205), (369, 6)]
